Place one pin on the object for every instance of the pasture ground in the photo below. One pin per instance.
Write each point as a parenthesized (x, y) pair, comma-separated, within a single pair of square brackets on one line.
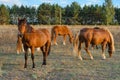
[(61, 64)]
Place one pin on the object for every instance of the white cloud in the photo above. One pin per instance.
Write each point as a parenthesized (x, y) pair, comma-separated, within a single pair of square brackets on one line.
[(63, 2), (11, 2), (35, 5), (47, 1), (89, 2)]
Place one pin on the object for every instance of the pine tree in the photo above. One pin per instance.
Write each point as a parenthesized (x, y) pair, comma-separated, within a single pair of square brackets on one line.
[(44, 13), (109, 12), (4, 14), (56, 14)]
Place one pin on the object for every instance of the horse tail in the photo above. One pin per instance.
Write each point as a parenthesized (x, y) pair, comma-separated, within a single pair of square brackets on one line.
[(19, 44), (75, 43), (52, 34), (49, 48), (112, 40)]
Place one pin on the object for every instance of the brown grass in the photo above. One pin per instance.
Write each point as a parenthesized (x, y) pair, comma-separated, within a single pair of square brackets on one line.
[(62, 65)]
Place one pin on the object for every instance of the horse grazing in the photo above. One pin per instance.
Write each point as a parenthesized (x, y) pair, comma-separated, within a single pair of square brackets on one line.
[(62, 31), (94, 36), (32, 39)]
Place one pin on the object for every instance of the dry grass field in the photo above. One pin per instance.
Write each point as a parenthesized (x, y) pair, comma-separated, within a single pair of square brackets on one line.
[(61, 64)]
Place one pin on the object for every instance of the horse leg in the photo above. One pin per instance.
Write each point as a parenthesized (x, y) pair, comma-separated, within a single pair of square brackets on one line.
[(103, 50), (79, 51), (32, 56), (55, 37), (23, 48), (48, 46), (25, 56), (64, 39), (86, 49), (44, 55)]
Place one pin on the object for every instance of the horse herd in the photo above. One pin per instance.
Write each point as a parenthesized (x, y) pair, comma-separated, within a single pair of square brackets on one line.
[(31, 38)]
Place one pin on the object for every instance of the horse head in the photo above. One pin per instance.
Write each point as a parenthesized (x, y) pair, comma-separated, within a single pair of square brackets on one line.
[(22, 23)]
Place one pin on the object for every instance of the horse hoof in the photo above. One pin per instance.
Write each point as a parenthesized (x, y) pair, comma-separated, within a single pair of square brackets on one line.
[(33, 69), (55, 43), (91, 58), (64, 44), (25, 68), (80, 58), (104, 58), (18, 52), (44, 64)]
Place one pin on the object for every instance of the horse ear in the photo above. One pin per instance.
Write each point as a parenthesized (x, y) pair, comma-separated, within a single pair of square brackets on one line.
[(25, 20)]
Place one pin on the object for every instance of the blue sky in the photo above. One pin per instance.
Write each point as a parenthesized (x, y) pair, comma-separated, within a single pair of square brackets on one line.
[(62, 3)]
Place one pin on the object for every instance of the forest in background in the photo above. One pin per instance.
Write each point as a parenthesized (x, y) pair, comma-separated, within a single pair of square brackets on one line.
[(73, 14)]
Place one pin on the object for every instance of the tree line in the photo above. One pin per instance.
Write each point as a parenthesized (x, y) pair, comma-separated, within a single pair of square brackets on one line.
[(72, 14)]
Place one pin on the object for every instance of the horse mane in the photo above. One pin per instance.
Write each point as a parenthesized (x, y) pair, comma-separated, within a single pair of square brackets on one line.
[(96, 28), (111, 37), (30, 28)]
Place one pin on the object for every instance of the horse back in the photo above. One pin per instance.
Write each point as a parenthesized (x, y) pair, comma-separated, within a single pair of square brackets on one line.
[(86, 34), (46, 32), (101, 34), (61, 30)]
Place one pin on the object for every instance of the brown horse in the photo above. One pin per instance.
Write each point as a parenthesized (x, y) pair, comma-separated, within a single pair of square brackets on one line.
[(94, 36), (62, 31), (32, 39)]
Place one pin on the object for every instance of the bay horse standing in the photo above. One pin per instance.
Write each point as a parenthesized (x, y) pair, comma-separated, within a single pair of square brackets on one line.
[(94, 36), (32, 39), (62, 31)]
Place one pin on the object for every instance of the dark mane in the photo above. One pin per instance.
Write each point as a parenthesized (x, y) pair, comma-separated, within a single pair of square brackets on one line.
[(29, 28), (96, 27)]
